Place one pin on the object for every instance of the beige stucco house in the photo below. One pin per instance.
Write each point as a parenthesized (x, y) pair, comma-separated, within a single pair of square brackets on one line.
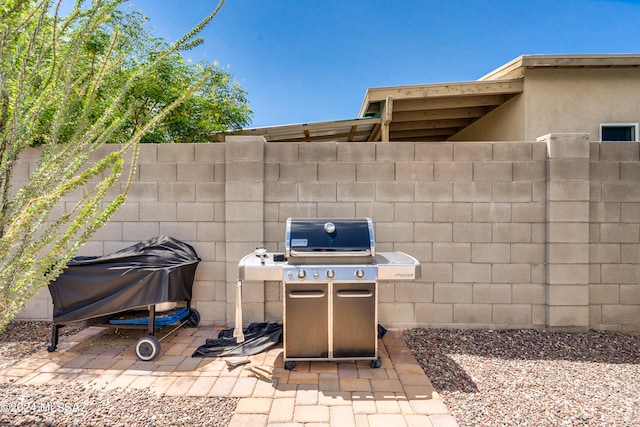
[(532, 95)]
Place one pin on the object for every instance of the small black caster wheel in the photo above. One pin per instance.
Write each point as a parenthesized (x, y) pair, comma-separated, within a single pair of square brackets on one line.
[(51, 348), (289, 366), (148, 348), (375, 364), (194, 318)]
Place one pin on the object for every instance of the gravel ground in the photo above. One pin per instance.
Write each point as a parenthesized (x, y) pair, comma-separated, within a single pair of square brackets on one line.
[(74, 404), (532, 378)]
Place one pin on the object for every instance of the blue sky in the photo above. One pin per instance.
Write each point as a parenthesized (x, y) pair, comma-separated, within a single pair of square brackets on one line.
[(307, 61)]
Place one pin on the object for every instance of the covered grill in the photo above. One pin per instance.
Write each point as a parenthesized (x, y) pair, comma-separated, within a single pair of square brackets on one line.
[(330, 272)]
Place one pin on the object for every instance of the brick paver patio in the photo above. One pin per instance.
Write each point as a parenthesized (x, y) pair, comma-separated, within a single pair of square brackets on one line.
[(315, 393)]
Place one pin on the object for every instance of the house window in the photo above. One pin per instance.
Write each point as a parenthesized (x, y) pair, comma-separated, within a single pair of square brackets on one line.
[(619, 132)]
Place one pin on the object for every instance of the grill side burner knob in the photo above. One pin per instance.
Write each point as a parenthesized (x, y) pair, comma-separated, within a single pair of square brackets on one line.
[(359, 273), (302, 274), (331, 274)]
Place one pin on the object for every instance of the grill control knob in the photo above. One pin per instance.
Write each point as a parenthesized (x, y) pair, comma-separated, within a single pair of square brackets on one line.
[(302, 274), (359, 273), (316, 274), (331, 274)]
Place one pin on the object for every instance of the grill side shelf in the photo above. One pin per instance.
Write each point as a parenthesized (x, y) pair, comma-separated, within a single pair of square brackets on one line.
[(397, 266)]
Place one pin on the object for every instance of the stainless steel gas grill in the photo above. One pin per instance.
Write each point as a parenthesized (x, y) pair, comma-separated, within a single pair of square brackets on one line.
[(330, 272)]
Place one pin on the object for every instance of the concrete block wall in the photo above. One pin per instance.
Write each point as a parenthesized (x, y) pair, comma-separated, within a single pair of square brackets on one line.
[(614, 251), (539, 234)]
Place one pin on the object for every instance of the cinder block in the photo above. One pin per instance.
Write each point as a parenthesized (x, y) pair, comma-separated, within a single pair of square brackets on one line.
[(396, 313), (244, 148), (472, 192), (394, 232), (337, 172), (210, 191), (471, 273), (458, 293), (375, 172), (453, 172), (112, 230), (143, 191), (356, 191), (414, 171), (605, 171), (253, 171), (176, 152), (138, 231), (619, 151), (576, 232), (604, 294), (242, 191), (490, 252), (434, 151), (317, 191), (492, 212), (534, 253), (336, 210), (244, 211), (185, 231), (472, 232), (568, 274), (512, 192), (630, 171), (297, 210), (603, 253), (451, 252), (491, 293), (529, 171), (568, 295), (395, 191), (569, 211), (621, 315), (619, 233), (210, 153), (158, 211), (378, 211), (195, 172), (413, 292), (568, 169), (437, 272), (569, 190), (511, 273), (472, 151), (621, 192), (568, 316), (620, 273), (398, 151), (630, 253), (277, 152), (413, 212), (511, 233), (434, 191), (422, 251), (427, 313), (177, 192), (512, 315), (434, 232), (528, 293), (359, 153), (244, 231), (493, 171), (568, 146), (210, 231), (452, 212), (630, 212), (318, 152), (568, 253), (509, 151), (473, 314)]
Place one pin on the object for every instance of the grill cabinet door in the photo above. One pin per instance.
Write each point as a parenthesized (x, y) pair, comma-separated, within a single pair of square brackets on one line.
[(306, 325), (354, 320)]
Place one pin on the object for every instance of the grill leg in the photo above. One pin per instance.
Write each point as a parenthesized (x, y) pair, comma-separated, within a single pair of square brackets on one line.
[(55, 334)]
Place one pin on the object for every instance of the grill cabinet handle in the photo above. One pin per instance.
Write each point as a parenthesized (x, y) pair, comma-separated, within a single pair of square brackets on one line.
[(306, 294), (355, 294)]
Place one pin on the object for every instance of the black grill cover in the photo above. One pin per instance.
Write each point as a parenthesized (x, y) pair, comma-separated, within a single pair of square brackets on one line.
[(158, 270)]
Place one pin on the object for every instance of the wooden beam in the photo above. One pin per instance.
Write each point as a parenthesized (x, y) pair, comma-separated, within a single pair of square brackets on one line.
[(430, 124), (449, 102), (386, 117), (449, 113)]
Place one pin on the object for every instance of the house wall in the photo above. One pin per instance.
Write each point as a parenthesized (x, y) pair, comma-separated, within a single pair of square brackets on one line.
[(578, 100), (537, 234), (505, 123)]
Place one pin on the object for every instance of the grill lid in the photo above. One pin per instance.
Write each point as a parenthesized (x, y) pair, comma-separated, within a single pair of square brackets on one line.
[(318, 237)]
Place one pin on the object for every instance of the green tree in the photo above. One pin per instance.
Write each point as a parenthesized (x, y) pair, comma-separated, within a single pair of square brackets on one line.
[(57, 87)]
